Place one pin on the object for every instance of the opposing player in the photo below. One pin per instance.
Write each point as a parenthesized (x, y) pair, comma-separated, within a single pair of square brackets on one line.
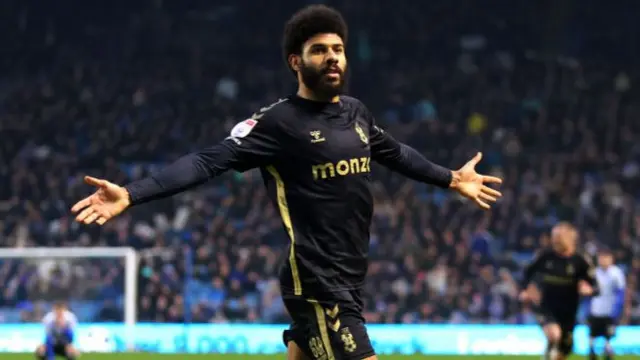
[(606, 308), (314, 151), (563, 276), (59, 326)]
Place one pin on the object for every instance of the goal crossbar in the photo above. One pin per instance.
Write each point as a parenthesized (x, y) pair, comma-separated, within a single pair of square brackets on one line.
[(129, 255)]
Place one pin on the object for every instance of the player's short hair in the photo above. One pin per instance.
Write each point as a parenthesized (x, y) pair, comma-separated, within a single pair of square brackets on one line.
[(605, 251), (569, 229), (309, 22), (59, 305)]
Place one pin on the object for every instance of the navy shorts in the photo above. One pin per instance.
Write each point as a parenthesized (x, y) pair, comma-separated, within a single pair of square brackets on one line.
[(329, 329)]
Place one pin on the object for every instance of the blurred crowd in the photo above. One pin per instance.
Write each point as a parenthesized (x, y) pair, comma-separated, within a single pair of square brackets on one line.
[(117, 91)]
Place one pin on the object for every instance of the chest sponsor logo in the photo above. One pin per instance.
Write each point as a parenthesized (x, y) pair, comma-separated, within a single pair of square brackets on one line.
[(341, 168)]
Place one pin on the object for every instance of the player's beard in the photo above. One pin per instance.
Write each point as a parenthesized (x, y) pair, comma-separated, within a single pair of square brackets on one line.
[(316, 80)]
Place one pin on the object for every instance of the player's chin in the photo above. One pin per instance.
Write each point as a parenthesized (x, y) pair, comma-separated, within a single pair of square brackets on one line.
[(333, 86)]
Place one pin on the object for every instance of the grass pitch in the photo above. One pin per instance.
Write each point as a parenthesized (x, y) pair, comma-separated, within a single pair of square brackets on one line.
[(152, 356)]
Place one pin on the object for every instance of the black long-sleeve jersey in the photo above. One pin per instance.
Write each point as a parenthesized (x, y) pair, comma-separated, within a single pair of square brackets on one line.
[(315, 161), (558, 277)]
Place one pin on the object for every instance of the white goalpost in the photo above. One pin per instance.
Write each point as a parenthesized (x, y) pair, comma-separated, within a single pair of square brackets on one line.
[(130, 272)]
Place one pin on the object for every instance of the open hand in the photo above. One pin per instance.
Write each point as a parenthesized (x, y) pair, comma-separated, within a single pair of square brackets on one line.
[(468, 183), (584, 289), (524, 296), (107, 202), (530, 295)]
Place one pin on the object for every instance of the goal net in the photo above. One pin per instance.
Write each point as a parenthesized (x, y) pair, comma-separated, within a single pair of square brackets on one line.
[(97, 284)]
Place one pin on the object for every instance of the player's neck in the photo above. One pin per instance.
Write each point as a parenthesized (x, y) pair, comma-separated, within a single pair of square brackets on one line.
[(306, 93), (566, 253)]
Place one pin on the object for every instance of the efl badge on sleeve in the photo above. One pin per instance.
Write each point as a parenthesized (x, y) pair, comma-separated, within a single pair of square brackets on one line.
[(243, 128)]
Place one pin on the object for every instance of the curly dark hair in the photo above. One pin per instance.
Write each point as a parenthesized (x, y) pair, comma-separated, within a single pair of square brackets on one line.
[(308, 22)]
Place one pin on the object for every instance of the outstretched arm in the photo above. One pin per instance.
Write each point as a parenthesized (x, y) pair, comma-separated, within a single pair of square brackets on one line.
[(251, 144), (407, 161), (187, 172)]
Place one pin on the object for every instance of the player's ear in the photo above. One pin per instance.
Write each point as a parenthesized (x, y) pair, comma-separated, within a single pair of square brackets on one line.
[(294, 62)]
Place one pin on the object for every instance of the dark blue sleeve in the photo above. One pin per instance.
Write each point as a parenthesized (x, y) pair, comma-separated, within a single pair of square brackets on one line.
[(69, 334), (618, 308), (404, 159), (531, 270), (252, 143), (589, 274), (619, 304)]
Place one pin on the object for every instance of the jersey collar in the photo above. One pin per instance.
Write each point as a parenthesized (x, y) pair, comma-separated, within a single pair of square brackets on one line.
[(318, 106)]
